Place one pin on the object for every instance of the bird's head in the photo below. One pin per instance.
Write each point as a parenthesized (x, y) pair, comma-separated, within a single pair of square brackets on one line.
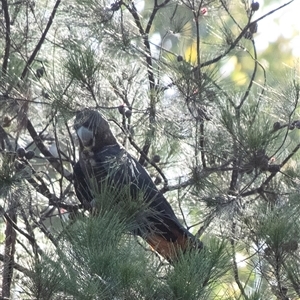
[(93, 130)]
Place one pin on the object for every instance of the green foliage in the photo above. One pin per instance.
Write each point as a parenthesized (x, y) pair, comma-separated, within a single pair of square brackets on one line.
[(195, 274), (97, 259), (278, 229), (222, 115), (82, 64), (101, 258), (45, 280)]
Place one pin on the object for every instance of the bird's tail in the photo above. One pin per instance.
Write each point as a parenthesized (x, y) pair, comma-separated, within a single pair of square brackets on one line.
[(171, 250)]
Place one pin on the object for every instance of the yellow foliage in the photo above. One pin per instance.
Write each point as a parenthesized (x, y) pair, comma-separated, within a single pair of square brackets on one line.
[(239, 77), (190, 54)]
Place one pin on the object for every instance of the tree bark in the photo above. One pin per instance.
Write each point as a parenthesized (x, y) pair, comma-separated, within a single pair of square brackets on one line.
[(9, 253)]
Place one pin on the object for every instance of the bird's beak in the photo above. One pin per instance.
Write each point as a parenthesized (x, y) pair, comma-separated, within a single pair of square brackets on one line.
[(86, 136)]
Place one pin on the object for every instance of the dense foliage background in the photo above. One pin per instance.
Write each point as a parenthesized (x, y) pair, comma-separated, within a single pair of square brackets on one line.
[(213, 119)]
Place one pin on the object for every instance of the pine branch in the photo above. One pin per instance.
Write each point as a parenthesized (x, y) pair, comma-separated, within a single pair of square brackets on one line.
[(151, 78), (293, 278), (234, 263), (9, 253), (224, 5), (53, 199), (202, 145), (41, 41), (4, 138), (240, 36), (18, 267), (7, 36), (29, 230), (271, 176), (146, 158), (235, 171), (12, 221), (44, 150), (247, 93)]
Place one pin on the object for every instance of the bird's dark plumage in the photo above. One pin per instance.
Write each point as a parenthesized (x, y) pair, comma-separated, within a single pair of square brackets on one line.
[(103, 162)]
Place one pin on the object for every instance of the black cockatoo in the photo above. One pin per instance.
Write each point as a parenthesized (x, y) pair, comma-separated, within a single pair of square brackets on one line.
[(102, 160)]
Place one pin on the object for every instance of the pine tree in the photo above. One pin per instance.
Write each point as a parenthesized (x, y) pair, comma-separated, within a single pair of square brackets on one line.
[(222, 146)]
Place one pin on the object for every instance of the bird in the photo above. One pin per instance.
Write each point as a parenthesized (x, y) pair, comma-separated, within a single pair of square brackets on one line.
[(103, 162)]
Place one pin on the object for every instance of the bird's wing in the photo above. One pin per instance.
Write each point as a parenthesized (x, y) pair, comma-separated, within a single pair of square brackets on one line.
[(157, 221), (122, 170)]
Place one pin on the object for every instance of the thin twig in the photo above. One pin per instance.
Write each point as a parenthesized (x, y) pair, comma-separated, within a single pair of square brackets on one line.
[(247, 93), (234, 263), (41, 41), (240, 36), (53, 160)]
